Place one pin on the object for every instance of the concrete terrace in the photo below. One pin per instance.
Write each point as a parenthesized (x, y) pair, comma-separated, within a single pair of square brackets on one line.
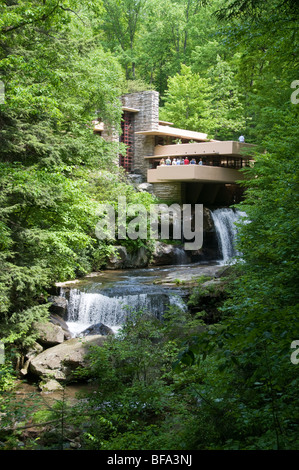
[(220, 162), (193, 173)]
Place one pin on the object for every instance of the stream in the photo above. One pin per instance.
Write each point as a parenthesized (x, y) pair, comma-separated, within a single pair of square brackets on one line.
[(109, 297)]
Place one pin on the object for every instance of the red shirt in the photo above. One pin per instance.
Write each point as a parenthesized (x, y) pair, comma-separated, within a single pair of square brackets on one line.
[(186, 161)]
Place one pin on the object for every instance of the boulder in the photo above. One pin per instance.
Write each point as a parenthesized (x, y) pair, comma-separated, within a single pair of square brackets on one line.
[(58, 305), (121, 259), (117, 260), (34, 350), (135, 179), (61, 361), (25, 368), (145, 187), (48, 334), (163, 254), (50, 385), (57, 320), (97, 329)]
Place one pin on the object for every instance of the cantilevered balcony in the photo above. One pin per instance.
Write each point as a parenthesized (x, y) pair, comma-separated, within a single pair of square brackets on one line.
[(220, 162), (203, 149), (193, 173)]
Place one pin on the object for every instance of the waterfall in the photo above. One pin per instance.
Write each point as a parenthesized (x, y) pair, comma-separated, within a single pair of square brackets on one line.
[(88, 308), (226, 231)]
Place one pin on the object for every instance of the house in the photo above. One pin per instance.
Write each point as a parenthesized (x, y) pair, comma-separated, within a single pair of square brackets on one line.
[(148, 140)]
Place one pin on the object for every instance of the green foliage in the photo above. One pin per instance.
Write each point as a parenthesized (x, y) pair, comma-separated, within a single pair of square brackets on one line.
[(220, 378), (7, 377), (186, 100), (121, 25), (211, 104), (53, 87), (226, 118), (57, 80), (140, 399), (254, 397)]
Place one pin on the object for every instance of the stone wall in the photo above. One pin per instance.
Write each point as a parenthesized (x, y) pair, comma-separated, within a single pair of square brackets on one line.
[(147, 102), (172, 192)]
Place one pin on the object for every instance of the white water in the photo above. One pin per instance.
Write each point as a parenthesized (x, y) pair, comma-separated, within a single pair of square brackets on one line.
[(88, 308), (226, 230)]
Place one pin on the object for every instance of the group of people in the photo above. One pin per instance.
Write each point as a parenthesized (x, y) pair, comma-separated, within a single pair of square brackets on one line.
[(179, 161), (186, 161)]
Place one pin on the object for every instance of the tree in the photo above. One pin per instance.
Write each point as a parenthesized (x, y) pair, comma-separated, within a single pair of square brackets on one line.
[(226, 113), (170, 32), (267, 64), (253, 392), (187, 101), (160, 45), (121, 24), (253, 8), (56, 79), (212, 104)]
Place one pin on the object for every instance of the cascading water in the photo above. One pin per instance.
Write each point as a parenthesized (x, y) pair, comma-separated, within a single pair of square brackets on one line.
[(95, 303), (111, 298), (225, 220)]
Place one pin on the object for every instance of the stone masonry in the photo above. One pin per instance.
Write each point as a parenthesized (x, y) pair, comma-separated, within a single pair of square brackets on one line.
[(147, 117)]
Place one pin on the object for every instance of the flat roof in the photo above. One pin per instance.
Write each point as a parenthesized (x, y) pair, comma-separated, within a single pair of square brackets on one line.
[(131, 110), (175, 132), (229, 148), (166, 123)]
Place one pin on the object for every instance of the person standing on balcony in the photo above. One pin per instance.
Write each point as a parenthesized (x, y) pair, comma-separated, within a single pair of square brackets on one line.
[(241, 138), (162, 162), (168, 161), (193, 161), (178, 162), (186, 161), (200, 162), (174, 161)]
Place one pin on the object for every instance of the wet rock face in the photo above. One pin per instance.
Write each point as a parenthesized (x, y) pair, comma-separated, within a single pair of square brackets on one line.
[(208, 224), (163, 254), (167, 253), (122, 259), (117, 260), (97, 329), (58, 305)]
